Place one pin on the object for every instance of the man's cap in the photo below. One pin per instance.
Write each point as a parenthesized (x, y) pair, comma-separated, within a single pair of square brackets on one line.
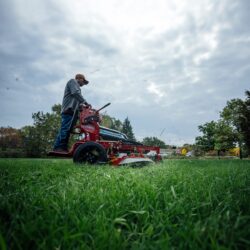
[(81, 76)]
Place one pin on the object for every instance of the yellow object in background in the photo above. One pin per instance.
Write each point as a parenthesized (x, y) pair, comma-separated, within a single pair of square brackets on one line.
[(234, 151), (184, 151)]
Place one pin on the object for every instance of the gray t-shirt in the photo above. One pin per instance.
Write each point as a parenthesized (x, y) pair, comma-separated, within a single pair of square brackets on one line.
[(72, 96)]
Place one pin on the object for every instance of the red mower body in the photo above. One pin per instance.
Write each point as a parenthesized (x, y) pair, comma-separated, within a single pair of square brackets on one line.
[(98, 144)]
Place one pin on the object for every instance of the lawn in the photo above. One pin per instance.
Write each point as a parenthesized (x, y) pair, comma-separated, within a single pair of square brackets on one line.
[(178, 204)]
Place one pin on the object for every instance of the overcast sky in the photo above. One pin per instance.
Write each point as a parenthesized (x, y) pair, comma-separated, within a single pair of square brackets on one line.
[(169, 65)]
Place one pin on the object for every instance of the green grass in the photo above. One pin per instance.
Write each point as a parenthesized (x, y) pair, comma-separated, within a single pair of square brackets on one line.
[(178, 204)]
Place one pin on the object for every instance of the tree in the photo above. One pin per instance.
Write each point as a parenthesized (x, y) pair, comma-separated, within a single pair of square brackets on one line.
[(247, 124), (11, 144), (237, 115), (116, 124), (31, 141), (153, 141), (233, 127), (106, 121), (111, 122), (216, 136), (39, 138), (206, 142), (10, 138), (224, 137), (127, 129)]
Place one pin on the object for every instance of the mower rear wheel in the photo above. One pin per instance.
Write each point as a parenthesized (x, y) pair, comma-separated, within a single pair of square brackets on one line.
[(90, 153)]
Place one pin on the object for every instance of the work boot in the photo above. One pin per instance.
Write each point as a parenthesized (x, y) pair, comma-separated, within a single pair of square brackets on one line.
[(60, 150)]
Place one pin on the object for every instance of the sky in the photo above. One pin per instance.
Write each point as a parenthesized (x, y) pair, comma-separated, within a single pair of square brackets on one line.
[(167, 65)]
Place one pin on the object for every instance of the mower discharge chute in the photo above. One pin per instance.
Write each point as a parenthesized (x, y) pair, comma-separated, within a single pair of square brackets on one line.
[(99, 144)]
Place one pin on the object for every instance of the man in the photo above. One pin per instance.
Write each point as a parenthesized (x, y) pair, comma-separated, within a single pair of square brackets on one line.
[(71, 100)]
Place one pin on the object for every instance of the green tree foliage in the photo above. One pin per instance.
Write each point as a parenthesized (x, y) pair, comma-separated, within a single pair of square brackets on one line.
[(111, 122), (31, 141), (11, 144), (10, 138), (39, 138), (206, 142), (153, 141), (224, 137), (106, 121), (116, 124), (237, 115), (247, 124), (232, 128), (216, 136), (127, 129)]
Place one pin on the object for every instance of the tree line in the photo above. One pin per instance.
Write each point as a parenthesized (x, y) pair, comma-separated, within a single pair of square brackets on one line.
[(37, 140), (231, 130)]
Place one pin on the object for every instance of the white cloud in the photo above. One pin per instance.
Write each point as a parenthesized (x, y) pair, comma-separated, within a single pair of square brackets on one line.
[(173, 59), (155, 90)]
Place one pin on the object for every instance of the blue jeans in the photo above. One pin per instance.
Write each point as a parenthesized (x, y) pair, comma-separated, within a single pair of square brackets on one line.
[(64, 133)]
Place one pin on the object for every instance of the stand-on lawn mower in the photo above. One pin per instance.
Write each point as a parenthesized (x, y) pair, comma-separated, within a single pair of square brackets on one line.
[(99, 144)]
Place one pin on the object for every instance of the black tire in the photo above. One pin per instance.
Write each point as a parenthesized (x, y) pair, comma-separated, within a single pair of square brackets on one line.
[(90, 153)]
